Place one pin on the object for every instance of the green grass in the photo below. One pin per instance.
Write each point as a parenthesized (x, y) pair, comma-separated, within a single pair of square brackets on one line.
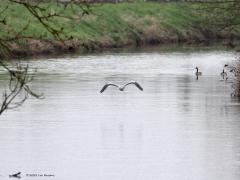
[(121, 23)]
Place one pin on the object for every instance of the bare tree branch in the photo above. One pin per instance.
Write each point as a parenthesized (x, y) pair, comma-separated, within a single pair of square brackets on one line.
[(18, 84), (19, 89)]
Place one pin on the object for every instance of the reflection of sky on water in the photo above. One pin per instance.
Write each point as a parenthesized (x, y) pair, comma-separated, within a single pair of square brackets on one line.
[(177, 128)]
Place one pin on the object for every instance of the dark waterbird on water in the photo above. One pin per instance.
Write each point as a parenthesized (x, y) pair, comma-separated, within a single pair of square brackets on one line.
[(224, 73), (198, 73), (122, 87), (17, 175)]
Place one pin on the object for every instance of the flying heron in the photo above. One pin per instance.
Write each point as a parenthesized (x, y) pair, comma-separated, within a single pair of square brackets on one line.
[(121, 88)]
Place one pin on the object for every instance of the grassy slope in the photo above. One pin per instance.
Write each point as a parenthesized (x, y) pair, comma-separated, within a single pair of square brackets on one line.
[(113, 25), (141, 21)]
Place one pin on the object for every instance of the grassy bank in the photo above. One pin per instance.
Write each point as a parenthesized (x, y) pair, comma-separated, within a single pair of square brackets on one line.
[(110, 26)]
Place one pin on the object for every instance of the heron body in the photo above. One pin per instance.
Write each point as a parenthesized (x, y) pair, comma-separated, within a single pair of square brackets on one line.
[(121, 88)]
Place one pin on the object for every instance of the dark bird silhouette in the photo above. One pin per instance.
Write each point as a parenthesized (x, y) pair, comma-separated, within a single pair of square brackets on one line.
[(197, 73), (224, 73), (122, 87), (17, 175)]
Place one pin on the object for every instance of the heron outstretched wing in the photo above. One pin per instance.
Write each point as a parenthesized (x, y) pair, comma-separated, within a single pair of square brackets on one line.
[(106, 85), (135, 83)]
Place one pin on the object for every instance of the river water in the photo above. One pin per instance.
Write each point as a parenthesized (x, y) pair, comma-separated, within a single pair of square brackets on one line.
[(178, 128)]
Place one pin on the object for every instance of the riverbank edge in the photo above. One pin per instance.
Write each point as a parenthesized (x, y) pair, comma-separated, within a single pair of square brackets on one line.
[(37, 47), (121, 26)]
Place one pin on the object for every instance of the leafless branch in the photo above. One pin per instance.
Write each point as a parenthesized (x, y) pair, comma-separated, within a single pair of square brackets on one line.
[(18, 84)]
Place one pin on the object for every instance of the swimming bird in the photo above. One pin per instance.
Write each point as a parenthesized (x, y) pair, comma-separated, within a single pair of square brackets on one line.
[(224, 73), (17, 175), (198, 73), (122, 87)]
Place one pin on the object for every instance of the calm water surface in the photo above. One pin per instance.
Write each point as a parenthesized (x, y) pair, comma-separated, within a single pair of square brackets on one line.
[(178, 128)]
